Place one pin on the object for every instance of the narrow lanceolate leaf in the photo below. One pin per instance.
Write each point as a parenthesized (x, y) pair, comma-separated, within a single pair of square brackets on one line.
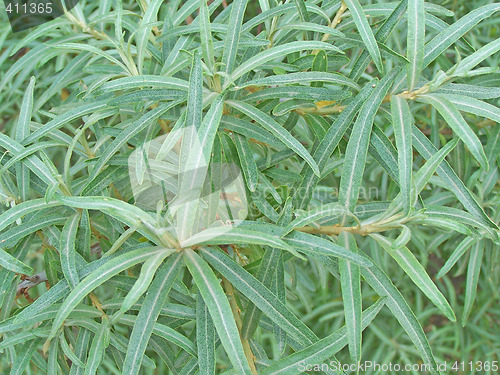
[(67, 250), (247, 161), (261, 296), (205, 338), (321, 350), (357, 148), (350, 281), (265, 274), (22, 131), (311, 245), (149, 312), (365, 31), (425, 173), (101, 275), (7, 261), (475, 106), (280, 51), (271, 125), (144, 31), (221, 235), (402, 121), (417, 273), (452, 181), (451, 34), (381, 35), (135, 128), (207, 43), (472, 60), (96, 351), (473, 270), (32, 162), (219, 309), (302, 77), (148, 271), (328, 145), (379, 281), (233, 35), (455, 120), (460, 250), (415, 41)]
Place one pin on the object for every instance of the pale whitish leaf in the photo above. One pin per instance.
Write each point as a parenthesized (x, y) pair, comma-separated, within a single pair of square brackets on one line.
[(192, 162), (302, 77), (144, 31), (357, 147), (402, 122), (216, 236), (233, 35), (470, 91), (7, 261), (271, 125), (247, 161), (67, 250), (417, 274), (424, 174), (321, 350), (379, 281), (473, 270), (304, 218), (41, 31), (96, 350), (309, 26), (279, 51), (474, 106), (12, 236), (451, 34), (455, 120), (93, 49), (452, 181), (365, 31), (207, 43), (415, 41), (309, 244), (114, 207), (350, 281), (32, 162), (138, 82), (381, 35), (101, 275), (219, 309), (205, 338), (474, 59), (63, 119), (24, 208), (22, 131), (460, 250), (148, 271)]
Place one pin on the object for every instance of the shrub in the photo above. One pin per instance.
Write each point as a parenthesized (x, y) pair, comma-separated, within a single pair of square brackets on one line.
[(301, 166)]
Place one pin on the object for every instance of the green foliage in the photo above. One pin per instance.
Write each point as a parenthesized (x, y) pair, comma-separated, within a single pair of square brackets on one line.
[(368, 140)]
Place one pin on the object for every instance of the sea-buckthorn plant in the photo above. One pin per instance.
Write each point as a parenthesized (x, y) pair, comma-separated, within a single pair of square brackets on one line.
[(323, 188)]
